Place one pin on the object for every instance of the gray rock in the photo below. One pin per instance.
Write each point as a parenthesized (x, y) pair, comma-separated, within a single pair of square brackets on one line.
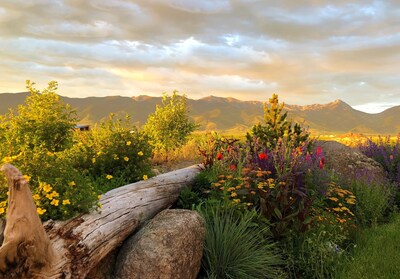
[(351, 163), (170, 246)]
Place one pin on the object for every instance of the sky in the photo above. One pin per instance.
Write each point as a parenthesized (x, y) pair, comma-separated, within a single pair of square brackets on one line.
[(307, 52)]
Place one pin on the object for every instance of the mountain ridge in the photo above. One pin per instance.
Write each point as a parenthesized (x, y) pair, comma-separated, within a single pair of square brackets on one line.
[(229, 114)]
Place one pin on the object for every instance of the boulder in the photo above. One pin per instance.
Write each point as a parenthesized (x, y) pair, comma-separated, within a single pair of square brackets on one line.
[(351, 163), (170, 246)]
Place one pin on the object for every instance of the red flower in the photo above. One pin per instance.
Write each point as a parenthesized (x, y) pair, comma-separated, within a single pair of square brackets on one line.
[(263, 156), (321, 162), (219, 156), (232, 167), (319, 150)]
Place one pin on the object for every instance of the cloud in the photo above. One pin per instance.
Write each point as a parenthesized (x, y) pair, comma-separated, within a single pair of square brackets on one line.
[(306, 51)]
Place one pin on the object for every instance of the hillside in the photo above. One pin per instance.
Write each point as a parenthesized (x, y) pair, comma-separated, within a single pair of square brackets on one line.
[(229, 114)]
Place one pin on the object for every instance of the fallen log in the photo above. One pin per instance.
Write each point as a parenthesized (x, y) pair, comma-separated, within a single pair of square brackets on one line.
[(70, 249)]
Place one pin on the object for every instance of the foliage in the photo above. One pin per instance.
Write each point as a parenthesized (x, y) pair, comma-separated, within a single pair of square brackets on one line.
[(114, 151), (216, 148), (373, 202), (235, 246), (277, 127), (34, 141), (386, 154), (191, 197), (43, 121), (273, 182), (169, 126), (59, 190), (68, 171), (317, 253)]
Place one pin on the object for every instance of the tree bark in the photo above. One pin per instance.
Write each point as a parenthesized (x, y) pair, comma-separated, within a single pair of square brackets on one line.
[(70, 249)]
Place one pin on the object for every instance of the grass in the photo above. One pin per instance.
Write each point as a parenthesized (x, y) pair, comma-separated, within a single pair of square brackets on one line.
[(235, 247), (377, 254)]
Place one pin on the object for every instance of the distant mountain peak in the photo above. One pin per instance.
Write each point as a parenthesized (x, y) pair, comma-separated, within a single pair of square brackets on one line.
[(142, 98), (230, 114)]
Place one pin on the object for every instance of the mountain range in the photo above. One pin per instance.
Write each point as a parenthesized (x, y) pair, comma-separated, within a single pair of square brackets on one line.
[(230, 115)]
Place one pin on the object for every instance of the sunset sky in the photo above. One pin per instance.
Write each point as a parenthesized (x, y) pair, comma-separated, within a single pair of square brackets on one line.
[(306, 51)]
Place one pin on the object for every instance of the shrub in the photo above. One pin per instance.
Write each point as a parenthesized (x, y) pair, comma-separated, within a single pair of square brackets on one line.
[(43, 121), (235, 247), (218, 149), (112, 154), (373, 202), (169, 126), (385, 153), (59, 190), (277, 127), (272, 181), (317, 253)]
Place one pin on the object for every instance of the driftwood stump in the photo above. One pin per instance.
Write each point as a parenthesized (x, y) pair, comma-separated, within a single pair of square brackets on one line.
[(70, 249)]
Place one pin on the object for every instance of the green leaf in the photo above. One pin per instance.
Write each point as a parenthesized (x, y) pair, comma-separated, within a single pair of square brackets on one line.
[(278, 213)]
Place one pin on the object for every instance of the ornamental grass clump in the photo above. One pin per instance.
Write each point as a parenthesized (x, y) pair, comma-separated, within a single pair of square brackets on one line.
[(235, 246)]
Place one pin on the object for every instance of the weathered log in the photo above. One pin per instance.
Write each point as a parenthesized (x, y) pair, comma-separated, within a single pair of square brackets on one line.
[(77, 245)]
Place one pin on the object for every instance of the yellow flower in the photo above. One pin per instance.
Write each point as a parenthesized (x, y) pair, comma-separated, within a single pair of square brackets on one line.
[(145, 177), (40, 211), (36, 197), (333, 199), (55, 194), (65, 202), (99, 197), (55, 202), (51, 154), (99, 205), (140, 153), (109, 176), (27, 178), (126, 159), (72, 183), (47, 187), (1, 210), (93, 160), (128, 143), (7, 160), (351, 201), (8, 193), (236, 200), (233, 195)]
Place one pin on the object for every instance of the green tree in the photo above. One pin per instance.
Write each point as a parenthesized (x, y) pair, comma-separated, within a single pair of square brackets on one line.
[(43, 121), (169, 126), (277, 126)]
